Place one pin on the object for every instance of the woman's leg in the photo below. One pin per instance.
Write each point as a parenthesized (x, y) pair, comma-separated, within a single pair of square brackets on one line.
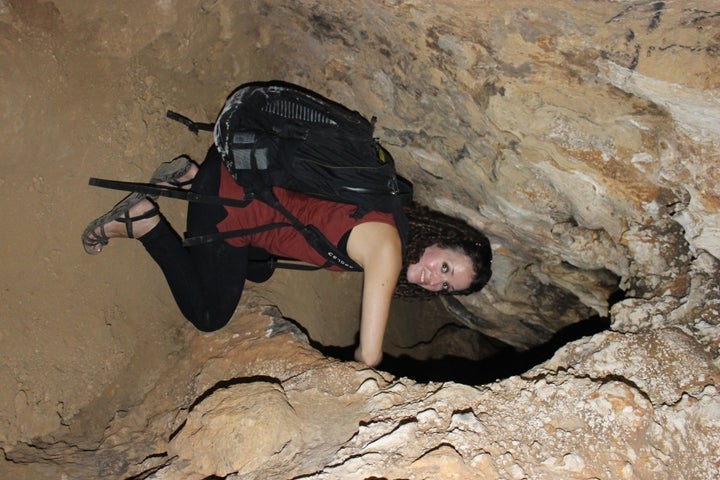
[(206, 280)]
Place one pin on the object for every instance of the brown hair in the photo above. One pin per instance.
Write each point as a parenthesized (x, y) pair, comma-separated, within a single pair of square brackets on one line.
[(429, 227)]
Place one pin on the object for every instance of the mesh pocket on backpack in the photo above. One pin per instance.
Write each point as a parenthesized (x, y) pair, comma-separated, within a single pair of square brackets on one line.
[(242, 147)]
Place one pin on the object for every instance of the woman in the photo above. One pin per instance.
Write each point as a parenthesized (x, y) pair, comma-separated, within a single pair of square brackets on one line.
[(207, 280)]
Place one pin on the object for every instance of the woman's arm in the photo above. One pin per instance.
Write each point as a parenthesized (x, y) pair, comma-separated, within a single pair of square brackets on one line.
[(376, 247)]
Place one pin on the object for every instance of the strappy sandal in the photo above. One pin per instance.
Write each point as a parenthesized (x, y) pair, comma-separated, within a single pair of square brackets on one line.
[(170, 172), (120, 212)]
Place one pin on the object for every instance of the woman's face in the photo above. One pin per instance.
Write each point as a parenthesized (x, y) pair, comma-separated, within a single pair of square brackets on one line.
[(441, 269)]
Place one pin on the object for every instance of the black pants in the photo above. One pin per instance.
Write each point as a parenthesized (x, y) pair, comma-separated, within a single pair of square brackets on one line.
[(206, 280)]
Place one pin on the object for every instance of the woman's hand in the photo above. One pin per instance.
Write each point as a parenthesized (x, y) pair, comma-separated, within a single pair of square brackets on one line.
[(371, 362), (376, 247)]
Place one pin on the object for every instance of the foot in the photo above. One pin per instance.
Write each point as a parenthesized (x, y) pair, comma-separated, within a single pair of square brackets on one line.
[(140, 222), (131, 218), (177, 173)]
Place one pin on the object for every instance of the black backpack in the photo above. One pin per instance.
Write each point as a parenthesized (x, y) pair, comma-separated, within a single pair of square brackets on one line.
[(279, 134)]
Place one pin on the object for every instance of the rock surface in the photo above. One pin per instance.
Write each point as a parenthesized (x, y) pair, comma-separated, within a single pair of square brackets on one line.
[(582, 136)]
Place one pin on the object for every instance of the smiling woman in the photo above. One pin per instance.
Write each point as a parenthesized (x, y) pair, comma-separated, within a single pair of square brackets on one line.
[(444, 255), (442, 269), (264, 129)]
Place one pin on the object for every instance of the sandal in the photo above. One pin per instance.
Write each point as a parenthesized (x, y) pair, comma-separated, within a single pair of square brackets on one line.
[(120, 212), (169, 172)]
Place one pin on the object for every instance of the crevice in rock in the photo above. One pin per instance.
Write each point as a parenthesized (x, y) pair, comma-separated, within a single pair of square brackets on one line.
[(616, 378), (457, 350), (147, 473), (177, 430), (229, 383), (616, 297), (505, 362)]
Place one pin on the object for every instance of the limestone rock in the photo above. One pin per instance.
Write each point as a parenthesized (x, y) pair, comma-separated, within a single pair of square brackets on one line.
[(582, 136)]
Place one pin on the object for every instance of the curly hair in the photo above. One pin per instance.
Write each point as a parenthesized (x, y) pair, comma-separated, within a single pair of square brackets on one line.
[(429, 227)]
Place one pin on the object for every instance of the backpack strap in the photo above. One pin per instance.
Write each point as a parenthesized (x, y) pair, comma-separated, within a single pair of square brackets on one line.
[(215, 236), (331, 254), (172, 192), (193, 126), (291, 265)]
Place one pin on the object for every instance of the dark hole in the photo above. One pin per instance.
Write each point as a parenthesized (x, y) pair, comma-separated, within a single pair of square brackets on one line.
[(506, 361), (497, 359)]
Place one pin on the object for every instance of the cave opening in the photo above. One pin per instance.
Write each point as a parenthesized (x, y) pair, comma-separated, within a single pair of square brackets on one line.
[(482, 359), (436, 339), (502, 360)]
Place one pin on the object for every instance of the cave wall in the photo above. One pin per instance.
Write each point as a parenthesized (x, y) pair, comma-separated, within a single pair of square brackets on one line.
[(581, 136)]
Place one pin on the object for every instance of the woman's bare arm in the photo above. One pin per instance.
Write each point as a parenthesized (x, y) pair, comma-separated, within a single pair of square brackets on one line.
[(376, 247)]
